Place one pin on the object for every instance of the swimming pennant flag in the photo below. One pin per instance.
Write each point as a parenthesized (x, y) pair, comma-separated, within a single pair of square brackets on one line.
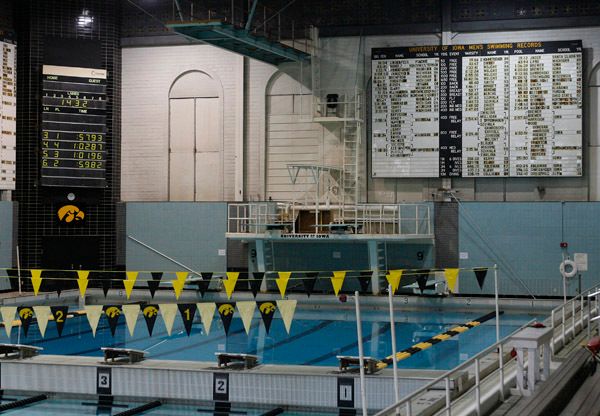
[(106, 283), (60, 317), (246, 310), (93, 314), (131, 313), (178, 287), (42, 314), (364, 279), (422, 277), (150, 313), (226, 311), (181, 276), (451, 276), (282, 282), (207, 312), (309, 282), (480, 274), (255, 281), (204, 283), (187, 312), (230, 282), (129, 283), (287, 308), (393, 277), (154, 283), (8, 316), (26, 316), (113, 313), (168, 312), (267, 310), (36, 280), (337, 281), (82, 281)]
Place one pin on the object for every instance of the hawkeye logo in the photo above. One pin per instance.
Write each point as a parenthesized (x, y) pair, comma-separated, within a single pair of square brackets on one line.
[(113, 312), (226, 309), (70, 213), (26, 313), (150, 311), (267, 308)]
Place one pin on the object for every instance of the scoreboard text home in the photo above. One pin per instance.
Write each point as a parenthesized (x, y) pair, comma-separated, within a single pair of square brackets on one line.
[(73, 151), (485, 110)]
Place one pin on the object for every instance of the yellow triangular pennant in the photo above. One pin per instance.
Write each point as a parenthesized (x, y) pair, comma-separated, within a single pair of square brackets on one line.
[(8, 316), (83, 284), (452, 278), (337, 281), (83, 274), (93, 313), (132, 275), (178, 287), (246, 309), (287, 309), (36, 280), (393, 278), (282, 282), (42, 313), (128, 287), (181, 275), (230, 282), (207, 313), (168, 312), (131, 313)]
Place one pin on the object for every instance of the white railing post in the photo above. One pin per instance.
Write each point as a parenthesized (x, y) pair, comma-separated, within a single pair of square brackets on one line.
[(477, 388), (408, 408), (573, 320), (393, 335), (363, 390), (448, 401), (553, 342), (501, 368), (564, 332), (589, 323)]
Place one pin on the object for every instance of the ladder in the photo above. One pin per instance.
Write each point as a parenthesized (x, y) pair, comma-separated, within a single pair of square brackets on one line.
[(351, 160)]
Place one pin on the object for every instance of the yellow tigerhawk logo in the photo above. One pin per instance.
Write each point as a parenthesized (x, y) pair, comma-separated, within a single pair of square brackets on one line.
[(70, 213), (150, 311), (267, 308), (112, 312), (226, 309), (26, 313)]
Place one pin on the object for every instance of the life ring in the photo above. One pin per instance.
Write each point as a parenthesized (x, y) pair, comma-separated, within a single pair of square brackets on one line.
[(568, 265)]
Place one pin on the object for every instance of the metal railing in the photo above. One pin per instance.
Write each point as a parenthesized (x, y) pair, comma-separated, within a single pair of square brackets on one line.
[(411, 220), (464, 379), (570, 318)]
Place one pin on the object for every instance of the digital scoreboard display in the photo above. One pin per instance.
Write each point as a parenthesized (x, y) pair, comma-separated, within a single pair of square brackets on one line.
[(482, 110), (73, 136), (8, 112)]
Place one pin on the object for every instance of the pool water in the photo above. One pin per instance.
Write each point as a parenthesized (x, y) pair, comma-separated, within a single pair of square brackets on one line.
[(316, 337)]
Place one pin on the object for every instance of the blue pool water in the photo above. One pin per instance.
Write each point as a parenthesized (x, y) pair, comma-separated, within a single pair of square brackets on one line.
[(316, 337)]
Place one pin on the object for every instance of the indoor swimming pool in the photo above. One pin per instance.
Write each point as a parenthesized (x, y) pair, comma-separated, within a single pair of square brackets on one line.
[(313, 341)]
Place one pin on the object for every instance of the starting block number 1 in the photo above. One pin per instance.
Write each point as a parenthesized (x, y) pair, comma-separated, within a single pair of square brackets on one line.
[(221, 386), (345, 390)]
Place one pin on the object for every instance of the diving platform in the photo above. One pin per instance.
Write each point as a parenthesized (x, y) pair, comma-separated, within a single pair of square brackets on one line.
[(239, 40)]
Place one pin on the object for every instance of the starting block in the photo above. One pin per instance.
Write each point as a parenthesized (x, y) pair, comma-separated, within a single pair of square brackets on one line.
[(224, 358)]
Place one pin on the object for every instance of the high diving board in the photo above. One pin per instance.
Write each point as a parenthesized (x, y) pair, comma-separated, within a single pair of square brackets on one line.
[(227, 36)]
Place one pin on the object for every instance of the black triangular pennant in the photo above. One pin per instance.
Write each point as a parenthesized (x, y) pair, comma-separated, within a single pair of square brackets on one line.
[(480, 274), (154, 283), (60, 317), (226, 311), (204, 283), (267, 310), (113, 313), (422, 277), (309, 282), (105, 286), (26, 316), (150, 313), (255, 282), (364, 279), (187, 311)]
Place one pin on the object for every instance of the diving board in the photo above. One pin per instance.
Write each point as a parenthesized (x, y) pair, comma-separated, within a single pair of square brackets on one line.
[(230, 37)]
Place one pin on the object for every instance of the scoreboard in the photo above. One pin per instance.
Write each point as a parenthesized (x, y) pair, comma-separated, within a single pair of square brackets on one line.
[(73, 136), (8, 112), (482, 110)]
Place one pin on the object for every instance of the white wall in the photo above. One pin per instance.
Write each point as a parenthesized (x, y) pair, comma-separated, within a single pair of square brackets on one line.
[(148, 74)]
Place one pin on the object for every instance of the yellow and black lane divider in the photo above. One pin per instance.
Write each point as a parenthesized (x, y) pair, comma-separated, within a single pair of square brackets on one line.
[(423, 345)]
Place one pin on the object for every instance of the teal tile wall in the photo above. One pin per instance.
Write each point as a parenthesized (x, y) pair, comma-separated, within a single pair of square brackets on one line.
[(189, 232)]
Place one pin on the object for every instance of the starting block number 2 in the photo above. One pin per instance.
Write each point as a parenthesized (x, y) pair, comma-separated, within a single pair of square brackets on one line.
[(221, 386)]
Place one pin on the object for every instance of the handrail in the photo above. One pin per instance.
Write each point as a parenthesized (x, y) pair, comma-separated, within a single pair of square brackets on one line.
[(447, 374)]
